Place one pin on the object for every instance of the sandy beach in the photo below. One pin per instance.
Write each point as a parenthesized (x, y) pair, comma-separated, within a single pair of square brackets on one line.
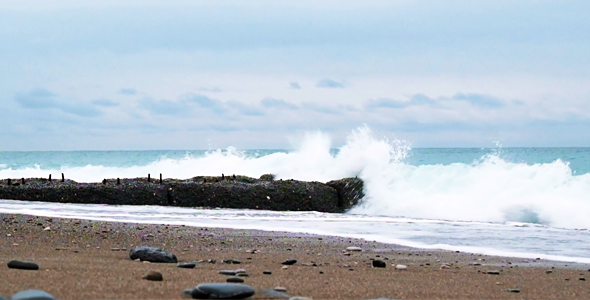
[(81, 259)]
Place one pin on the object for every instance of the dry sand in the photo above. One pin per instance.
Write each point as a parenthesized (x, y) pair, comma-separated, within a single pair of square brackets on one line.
[(77, 261)]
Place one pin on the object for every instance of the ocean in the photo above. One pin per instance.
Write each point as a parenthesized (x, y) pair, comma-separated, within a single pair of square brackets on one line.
[(521, 202)]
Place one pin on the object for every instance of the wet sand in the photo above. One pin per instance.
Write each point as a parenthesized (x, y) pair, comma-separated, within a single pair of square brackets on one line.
[(81, 259)]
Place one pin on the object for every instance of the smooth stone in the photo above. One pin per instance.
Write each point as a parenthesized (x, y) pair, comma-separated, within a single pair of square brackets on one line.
[(228, 272), (153, 276), (222, 291), (32, 295), (493, 272), (280, 289), (234, 280), (267, 272), (379, 264), (582, 279), (353, 248), (514, 290), (289, 262), (23, 265), (187, 265), (232, 261), (152, 254), (401, 267), (238, 271), (188, 292), (242, 275)]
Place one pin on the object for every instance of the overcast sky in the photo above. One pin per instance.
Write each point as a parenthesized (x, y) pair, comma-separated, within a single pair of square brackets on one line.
[(133, 74)]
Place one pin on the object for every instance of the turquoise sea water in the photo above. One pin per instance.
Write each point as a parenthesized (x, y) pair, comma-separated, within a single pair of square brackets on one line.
[(529, 202)]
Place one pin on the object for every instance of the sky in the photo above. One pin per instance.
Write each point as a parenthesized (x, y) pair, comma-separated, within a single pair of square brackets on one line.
[(134, 75)]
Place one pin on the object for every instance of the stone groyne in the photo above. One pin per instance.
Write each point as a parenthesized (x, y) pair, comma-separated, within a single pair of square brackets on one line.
[(238, 192)]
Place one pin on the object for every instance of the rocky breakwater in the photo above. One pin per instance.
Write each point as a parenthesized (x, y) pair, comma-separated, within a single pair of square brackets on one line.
[(202, 191)]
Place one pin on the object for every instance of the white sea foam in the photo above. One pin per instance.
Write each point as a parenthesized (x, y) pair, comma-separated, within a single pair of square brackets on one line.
[(488, 190)]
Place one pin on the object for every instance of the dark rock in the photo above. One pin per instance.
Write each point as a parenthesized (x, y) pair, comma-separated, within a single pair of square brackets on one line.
[(153, 276), (243, 275), (266, 272), (513, 290), (493, 272), (190, 265), (232, 261), (23, 265), (222, 291), (188, 292), (582, 279), (235, 280), (349, 190), (32, 295), (289, 262), (228, 272), (240, 193), (379, 264), (152, 254)]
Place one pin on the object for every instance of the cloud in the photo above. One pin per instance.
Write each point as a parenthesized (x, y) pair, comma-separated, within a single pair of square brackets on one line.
[(484, 101), (417, 99), (329, 83), (206, 102), (40, 98), (321, 108), (128, 92), (105, 102), (213, 89), (246, 109), (165, 107), (277, 104), (295, 85)]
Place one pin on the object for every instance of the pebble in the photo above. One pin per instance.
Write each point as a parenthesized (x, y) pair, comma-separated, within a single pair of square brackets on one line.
[(228, 272), (32, 295), (189, 265), (379, 264), (23, 265), (289, 262), (232, 261), (152, 254), (240, 271), (582, 279), (235, 279), (493, 272), (243, 275), (513, 290), (222, 291), (548, 272), (267, 272), (284, 267), (352, 248), (401, 267), (445, 266), (280, 289), (47, 228), (153, 276)]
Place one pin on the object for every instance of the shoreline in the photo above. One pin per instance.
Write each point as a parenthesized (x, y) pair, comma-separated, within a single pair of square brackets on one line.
[(83, 259), (475, 249)]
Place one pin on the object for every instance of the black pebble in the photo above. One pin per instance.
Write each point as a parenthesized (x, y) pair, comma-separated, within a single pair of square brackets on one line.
[(23, 265), (379, 264), (187, 265), (289, 262), (267, 272)]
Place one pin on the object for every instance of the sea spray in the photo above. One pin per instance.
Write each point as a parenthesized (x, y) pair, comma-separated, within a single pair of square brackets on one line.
[(487, 186)]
